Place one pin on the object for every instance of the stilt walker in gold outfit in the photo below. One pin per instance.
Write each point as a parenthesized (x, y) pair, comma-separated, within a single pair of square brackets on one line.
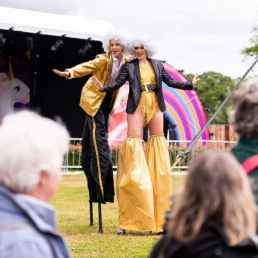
[(98, 105), (144, 182)]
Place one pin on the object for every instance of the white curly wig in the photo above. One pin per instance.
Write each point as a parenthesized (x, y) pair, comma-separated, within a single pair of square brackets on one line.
[(142, 39), (116, 35)]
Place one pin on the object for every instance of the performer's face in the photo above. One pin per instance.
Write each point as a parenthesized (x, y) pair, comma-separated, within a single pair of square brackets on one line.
[(140, 52), (116, 48)]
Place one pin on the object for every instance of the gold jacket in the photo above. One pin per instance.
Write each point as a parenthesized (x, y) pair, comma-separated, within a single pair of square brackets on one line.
[(101, 67)]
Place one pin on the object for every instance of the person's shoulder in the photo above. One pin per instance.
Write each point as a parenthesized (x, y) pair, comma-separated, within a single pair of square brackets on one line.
[(132, 61), (102, 57), (129, 63), (155, 60), (27, 241), (167, 246), (247, 248)]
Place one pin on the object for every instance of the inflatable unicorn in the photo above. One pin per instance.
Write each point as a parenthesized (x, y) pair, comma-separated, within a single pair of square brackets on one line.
[(12, 90)]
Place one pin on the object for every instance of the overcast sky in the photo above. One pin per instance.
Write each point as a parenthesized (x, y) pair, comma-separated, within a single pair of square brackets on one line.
[(192, 35)]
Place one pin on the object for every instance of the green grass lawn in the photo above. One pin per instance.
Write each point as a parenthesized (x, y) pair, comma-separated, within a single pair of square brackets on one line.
[(72, 204)]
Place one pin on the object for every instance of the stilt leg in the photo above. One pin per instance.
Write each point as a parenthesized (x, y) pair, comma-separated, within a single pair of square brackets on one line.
[(100, 218), (91, 215)]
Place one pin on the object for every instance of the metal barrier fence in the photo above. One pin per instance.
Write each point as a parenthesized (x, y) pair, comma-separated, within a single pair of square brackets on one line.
[(177, 147), (72, 161)]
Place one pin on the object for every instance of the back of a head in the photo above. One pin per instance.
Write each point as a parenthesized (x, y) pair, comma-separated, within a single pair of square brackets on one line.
[(220, 176), (244, 117), (215, 189), (30, 144)]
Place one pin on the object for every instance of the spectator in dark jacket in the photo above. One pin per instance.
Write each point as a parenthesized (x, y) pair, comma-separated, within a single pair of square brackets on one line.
[(213, 215), (244, 120)]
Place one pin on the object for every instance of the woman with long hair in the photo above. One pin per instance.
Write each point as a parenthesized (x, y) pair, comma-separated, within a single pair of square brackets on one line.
[(214, 210)]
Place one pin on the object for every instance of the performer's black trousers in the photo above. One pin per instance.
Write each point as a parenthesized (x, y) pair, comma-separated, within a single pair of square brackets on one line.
[(96, 161)]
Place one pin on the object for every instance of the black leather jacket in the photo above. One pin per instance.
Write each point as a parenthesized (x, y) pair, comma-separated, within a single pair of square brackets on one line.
[(131, 73)]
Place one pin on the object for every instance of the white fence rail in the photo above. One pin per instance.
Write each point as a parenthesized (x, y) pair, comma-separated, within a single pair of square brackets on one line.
[(72, 161)]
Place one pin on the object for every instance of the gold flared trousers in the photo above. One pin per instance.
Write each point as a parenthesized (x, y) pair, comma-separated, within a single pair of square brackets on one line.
[(158, 161), (144, 184), (134, 187)]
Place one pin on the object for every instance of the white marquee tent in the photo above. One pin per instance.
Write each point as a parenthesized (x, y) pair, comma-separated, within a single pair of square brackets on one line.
[(52, 24)]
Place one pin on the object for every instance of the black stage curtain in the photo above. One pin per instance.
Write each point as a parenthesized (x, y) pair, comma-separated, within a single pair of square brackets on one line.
[(33, 57)]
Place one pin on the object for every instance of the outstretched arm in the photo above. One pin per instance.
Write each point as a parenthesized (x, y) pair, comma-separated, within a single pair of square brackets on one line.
[(61, 73), (178, 84)]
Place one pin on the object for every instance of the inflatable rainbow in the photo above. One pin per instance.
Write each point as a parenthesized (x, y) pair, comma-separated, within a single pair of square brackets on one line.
[(184, 110)]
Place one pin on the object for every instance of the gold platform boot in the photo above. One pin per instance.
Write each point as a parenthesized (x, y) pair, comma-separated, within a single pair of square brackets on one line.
[(158, 161), (134, 188)]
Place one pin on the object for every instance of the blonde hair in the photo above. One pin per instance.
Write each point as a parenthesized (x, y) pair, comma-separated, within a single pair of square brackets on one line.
[(215, 189), (243, 117)]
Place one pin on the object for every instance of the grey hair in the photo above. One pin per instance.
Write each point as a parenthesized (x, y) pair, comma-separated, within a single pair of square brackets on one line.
[(243, 117), (116, 35), (142, 39), (30, 144)]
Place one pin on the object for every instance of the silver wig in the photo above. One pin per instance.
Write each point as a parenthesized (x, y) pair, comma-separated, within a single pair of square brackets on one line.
[(142, 39), (116, 35)]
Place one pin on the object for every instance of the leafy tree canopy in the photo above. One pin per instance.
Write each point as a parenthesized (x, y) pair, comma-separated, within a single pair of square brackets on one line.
[(213, 89), (253, 49)]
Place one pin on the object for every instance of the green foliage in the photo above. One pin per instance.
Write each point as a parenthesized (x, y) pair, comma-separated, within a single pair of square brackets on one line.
[(213, 89), (74, 155), (75, 152), (253, 49), (250, 50)]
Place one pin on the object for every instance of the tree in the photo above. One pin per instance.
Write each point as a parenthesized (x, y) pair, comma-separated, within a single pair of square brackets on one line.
[(213, 89), (253, 49)]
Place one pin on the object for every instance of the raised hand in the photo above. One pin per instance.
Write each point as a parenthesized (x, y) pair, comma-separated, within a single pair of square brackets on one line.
[(195, 79), (97, 83)]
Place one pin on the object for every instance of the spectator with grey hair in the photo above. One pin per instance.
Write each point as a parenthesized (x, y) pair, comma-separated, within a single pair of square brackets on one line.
[(244, 121), (144, 182), (32, 150), (98, 105)]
